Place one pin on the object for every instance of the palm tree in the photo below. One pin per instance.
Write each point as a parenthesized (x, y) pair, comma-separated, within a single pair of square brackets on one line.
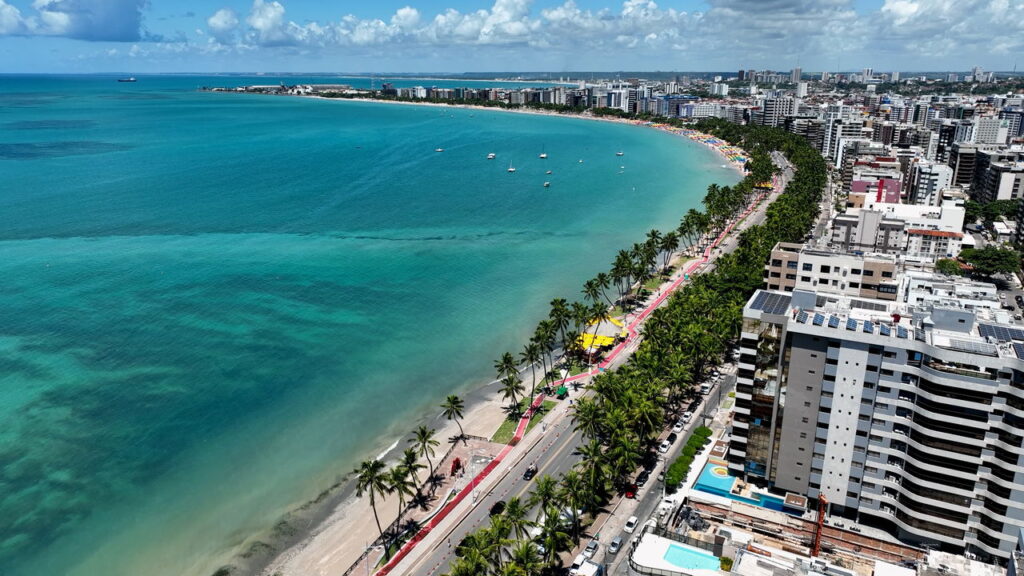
[(410, 463), (525, 557), (591, 291), (604, 281), (593, 467), (531, 355), (515, 514), (506, 365), (399, 483), (511, 386), (553, 536), (423, 438), (559, 315), (572, 491), (587, 416), (669, 244), (544, 493), (453, 407), (372, 480)]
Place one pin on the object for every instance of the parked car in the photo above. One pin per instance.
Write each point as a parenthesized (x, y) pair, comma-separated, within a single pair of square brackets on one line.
[(631, 491), (665, 445), (591, 549), (497, 508), (615, 545), (642, 478), (687, 415), (672, 437), (679, 426), (630, 525)]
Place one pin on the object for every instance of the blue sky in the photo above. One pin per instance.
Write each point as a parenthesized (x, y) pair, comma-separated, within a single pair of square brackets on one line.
[(506, 35)]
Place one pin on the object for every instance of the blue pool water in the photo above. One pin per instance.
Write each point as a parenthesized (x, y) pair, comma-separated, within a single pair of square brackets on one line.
[(714, 479), (690, 558)]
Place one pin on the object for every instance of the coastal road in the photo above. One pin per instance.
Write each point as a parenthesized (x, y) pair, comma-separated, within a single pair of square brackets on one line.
[(554, 452)]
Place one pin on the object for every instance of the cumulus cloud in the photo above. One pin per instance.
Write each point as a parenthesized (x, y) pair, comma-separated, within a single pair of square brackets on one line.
[(223, 24), (109, 20), (10, 19), (637, 33)]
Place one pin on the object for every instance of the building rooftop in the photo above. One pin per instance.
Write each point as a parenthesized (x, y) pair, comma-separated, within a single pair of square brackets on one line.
[(946, 564), (981, 331)]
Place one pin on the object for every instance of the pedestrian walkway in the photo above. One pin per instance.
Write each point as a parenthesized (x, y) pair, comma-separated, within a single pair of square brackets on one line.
[(632, 329)]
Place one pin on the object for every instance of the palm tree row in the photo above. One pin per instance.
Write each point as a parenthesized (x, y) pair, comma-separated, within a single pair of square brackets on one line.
[(621, 420), (374, 480)]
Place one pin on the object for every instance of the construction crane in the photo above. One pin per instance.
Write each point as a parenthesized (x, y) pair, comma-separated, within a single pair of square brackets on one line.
[(819, 526)]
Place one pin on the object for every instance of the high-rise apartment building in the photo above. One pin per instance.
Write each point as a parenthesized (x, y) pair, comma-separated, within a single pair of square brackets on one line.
[(927, 179), (795, 75), (908, 415)]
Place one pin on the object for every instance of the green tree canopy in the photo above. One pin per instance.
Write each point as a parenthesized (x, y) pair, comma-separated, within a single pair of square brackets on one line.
[(991, 260)]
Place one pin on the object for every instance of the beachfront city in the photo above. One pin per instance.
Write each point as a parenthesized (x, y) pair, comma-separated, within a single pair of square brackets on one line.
[(697, 288)]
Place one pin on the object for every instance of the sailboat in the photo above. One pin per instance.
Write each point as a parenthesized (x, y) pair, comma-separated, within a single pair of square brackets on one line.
[(511, 168)]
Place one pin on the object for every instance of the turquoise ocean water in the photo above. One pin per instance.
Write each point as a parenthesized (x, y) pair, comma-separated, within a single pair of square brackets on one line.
[(214, 305)]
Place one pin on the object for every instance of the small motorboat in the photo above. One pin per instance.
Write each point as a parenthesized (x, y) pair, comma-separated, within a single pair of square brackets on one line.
[(492, 156), (438, 149), (547, 184)]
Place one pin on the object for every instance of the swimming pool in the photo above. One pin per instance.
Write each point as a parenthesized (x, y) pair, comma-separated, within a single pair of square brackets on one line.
[(715, 479), (690, 558)]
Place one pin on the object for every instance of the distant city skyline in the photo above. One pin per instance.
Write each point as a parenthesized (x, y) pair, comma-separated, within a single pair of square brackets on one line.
[(454, 36)]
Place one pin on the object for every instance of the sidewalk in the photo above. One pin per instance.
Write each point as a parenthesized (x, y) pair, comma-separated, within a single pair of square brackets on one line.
[(447, 519)]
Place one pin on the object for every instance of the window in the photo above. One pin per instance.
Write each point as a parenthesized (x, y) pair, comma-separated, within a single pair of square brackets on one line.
[(825, 269), (886, 289), (854, 284), (807, 267), (855, 271), (886, 274), (790, 276), (791, 265), (869, 273), (805, 278), (776, 262)]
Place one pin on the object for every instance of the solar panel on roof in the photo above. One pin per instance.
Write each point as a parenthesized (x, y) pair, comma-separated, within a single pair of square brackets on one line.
[(883, 329), (1001, 333), (1018, 349), (869, 327), (901, 332), (776, 304), (973, 346), (758, 302), (802, 318), (833, 322), (818, 319)]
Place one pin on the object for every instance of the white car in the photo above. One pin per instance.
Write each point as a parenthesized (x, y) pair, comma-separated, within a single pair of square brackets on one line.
[(591, 549), (679, 426), (686, 416), (665, 445), (630, 525)]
